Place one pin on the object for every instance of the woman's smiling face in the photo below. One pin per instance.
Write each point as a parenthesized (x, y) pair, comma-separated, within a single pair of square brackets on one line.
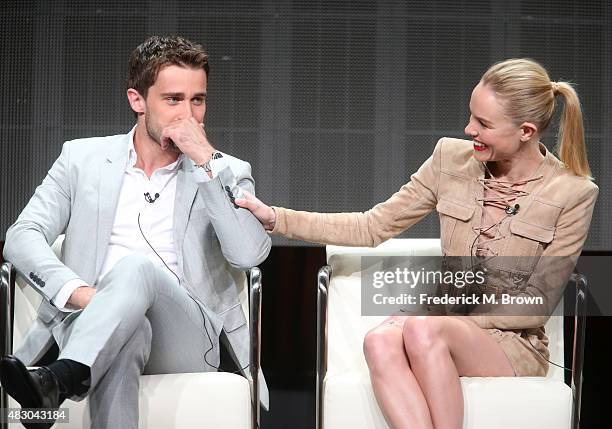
[(495, 136)]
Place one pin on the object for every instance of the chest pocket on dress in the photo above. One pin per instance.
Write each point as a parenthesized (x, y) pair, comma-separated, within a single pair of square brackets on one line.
[(454, 228), (533, 231)]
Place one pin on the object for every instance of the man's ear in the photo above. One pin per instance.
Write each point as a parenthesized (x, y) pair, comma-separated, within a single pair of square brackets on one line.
[(528, 130), (137, 101)]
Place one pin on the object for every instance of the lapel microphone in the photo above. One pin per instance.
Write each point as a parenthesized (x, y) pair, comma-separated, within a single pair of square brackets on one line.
[(150, 199), (509, 209)]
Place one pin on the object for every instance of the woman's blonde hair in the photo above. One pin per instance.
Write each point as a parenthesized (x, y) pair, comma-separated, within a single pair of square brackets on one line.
[(529, 96)]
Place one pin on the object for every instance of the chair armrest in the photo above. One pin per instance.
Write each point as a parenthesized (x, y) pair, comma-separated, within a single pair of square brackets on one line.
[(7, 292), (254, 279), (323, 279)]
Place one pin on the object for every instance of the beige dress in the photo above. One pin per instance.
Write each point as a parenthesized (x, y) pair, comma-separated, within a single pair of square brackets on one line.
[(553, 220)]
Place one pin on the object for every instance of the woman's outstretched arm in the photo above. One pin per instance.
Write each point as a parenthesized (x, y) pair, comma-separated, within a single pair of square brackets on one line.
[(406, 207)]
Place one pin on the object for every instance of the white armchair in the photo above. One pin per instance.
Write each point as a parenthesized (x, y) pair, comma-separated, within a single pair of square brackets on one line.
[(344, 392), (167, 400)]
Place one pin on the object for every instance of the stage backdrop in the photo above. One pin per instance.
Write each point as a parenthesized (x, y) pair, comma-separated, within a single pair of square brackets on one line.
[(334, 103)]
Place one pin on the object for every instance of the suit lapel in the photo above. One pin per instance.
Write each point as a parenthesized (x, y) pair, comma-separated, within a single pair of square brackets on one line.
[(186, 190), (111, 178)]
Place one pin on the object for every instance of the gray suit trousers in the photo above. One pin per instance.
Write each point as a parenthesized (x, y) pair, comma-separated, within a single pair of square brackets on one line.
[(140, 321)]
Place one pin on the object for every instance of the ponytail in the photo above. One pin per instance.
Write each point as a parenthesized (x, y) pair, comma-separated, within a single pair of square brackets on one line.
[(570, 141)]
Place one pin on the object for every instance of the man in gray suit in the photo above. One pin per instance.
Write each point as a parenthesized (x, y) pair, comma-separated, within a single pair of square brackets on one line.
[(152, 240)]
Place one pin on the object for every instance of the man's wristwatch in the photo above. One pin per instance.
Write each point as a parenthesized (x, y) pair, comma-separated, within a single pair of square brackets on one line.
[(206, 166)]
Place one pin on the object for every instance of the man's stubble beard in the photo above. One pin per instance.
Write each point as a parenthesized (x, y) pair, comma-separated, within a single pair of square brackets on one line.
[(155, 136)]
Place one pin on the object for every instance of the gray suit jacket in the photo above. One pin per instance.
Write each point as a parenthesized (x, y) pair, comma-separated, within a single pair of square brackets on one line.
[(78, 198)]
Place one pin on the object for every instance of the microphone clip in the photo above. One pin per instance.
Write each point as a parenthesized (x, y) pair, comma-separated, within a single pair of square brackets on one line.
[(149, 199), (512, 210)]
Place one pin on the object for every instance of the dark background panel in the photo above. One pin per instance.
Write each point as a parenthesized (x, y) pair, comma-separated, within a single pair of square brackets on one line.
[(335, 104)]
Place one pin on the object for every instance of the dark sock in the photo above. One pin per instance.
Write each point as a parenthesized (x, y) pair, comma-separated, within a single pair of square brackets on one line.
[(71, 375)]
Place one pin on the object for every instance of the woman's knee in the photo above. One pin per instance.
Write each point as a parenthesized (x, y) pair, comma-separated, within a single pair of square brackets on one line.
[(382, 346), (424, 336)]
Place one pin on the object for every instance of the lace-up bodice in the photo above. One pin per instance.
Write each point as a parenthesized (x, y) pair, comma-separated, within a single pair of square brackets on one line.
[(499, 204)]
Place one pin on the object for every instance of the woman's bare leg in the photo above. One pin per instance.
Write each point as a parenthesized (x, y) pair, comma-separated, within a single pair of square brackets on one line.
[(396, 389), (440, 350)]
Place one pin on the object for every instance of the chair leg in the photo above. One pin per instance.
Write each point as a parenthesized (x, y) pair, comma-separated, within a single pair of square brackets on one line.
[(578, 347), (323, 280), (7, 288), (254, 278)]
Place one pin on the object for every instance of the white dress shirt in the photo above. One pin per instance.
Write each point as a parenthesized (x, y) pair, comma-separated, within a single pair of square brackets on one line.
[(156, 219)]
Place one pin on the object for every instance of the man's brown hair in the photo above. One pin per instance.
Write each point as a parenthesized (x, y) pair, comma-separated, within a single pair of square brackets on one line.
[(158, 51)]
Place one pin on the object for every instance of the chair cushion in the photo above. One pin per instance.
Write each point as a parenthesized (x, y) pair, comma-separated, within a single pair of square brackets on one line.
[(490, 402), (189, 401)]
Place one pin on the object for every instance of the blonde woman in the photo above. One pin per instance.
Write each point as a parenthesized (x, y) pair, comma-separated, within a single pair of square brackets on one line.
[(499, 193)]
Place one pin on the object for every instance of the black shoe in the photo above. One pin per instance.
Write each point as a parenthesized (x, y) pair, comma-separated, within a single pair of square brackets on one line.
[(31, 388)]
